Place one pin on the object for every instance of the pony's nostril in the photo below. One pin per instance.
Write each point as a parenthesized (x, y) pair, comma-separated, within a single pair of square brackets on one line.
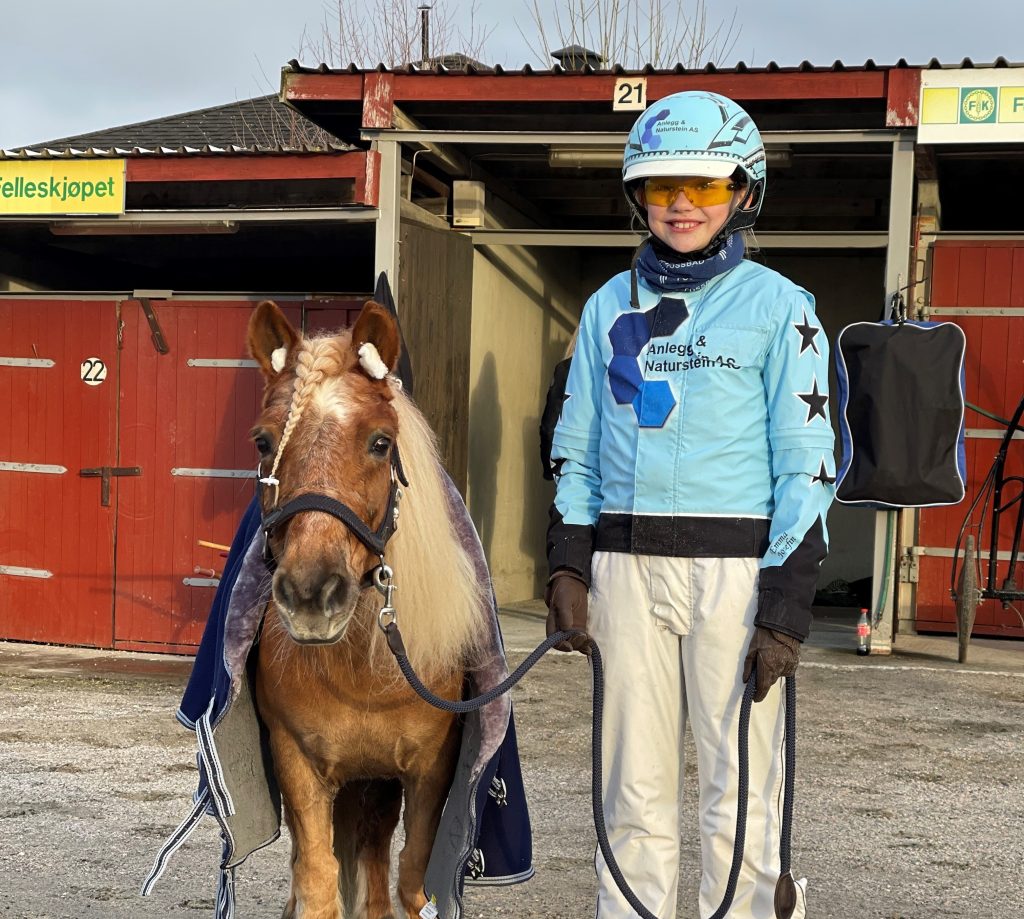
[(332, 594), (287, 595)]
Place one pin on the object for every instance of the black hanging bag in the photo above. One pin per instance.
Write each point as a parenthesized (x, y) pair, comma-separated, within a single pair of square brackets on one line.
[(901, 413)]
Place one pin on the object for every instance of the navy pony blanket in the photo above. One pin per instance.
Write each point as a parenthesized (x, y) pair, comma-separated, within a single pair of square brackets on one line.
[(484, 834)]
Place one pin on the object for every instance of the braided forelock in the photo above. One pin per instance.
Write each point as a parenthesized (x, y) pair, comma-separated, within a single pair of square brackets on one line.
[(318, 359)]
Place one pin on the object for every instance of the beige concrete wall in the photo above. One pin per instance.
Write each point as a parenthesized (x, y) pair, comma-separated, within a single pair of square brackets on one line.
[(526, 303), (14, 286)]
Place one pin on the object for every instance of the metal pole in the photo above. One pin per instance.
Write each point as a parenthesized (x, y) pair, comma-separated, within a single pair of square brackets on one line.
[(897, 258), (424, 33), (386, 257)]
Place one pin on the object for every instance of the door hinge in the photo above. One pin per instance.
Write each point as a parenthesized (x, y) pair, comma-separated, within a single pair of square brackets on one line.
[(909, 568), (156, 333)]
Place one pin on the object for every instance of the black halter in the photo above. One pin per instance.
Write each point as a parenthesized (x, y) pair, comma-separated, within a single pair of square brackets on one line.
[(374, 540)]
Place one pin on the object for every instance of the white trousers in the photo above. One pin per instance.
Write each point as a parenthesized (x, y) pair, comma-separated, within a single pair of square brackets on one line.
[(673, 634)]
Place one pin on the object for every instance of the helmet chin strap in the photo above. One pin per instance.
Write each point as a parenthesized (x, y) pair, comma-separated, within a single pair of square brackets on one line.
[(634, 286)]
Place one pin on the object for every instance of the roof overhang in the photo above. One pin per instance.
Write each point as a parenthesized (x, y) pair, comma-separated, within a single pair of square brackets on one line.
[(323, 95)]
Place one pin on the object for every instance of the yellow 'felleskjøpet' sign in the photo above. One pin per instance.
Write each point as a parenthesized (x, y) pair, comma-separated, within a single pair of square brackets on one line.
[(41, 187)]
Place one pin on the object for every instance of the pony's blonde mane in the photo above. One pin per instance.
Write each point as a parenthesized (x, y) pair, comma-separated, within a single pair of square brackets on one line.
[(439, 599)]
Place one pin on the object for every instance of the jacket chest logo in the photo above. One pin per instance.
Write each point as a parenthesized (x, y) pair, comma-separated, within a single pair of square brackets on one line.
[(652, 400)]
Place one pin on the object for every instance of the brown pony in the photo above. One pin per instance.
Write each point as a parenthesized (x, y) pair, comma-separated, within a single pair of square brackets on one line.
[(348, 735)]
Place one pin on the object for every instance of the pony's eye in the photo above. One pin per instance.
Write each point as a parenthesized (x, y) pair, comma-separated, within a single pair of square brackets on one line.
[(262, 443), (380, 445)]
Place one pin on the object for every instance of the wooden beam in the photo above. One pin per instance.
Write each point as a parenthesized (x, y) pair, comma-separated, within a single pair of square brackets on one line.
[(368, 187), (378, 100), (321, 87), (903, 90), (547, 87), (246, 168)]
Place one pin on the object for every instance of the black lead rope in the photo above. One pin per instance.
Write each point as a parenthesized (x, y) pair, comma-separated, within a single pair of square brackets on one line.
[(785, 890)]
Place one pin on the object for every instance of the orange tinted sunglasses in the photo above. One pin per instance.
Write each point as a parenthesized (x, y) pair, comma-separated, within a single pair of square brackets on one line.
[(701, 191)]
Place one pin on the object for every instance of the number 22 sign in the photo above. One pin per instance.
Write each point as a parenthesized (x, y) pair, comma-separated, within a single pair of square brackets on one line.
[(94, 371), (630, 94)]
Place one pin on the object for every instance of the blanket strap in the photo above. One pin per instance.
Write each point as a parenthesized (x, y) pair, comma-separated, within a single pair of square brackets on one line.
[(214, 798), (211, 765), (175, 841), (226, 890)]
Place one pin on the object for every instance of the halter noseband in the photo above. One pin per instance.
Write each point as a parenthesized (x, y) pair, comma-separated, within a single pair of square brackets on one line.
[(375, 540)]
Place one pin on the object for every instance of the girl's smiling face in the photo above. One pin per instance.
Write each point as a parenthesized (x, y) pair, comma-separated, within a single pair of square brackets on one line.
[(683, 226)]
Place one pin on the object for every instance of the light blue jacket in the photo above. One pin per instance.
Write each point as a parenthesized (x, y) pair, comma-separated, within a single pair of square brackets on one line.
[(698, 425)]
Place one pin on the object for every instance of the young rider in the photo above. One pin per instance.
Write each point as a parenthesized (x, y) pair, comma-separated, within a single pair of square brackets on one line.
[(695, 469)]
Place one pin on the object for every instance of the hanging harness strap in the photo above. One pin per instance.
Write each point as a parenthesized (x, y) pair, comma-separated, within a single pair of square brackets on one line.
[(785, 888)]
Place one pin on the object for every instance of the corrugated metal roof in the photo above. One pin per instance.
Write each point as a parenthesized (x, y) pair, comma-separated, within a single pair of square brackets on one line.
[(740, 67), (260, 126)]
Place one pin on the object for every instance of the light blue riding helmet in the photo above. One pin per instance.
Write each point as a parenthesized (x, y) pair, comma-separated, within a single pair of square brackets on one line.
[(697, 133)]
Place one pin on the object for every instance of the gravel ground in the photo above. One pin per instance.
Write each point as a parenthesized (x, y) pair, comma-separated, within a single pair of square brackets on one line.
[(909, 797)]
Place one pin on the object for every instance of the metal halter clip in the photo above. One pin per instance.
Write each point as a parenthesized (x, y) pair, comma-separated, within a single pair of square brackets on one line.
[(384, 581), (398, 501)]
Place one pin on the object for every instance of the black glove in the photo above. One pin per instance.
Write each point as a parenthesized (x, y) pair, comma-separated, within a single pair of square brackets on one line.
[(566, 597), (777, 655)]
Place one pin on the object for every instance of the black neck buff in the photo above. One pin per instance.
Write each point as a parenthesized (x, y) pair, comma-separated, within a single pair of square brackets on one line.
[(665, 269)]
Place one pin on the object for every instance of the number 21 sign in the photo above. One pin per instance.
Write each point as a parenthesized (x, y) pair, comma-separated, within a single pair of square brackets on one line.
[(630, 94)]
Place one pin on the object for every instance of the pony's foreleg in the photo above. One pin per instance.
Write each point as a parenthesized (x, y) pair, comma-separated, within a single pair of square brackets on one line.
[(365, 817), (308, 804), (424, 800)]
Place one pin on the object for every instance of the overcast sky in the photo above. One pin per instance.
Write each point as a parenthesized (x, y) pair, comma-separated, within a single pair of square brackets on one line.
[(71, 66)]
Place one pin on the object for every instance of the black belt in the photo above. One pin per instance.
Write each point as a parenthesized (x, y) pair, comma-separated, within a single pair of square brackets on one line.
[(683, 537)]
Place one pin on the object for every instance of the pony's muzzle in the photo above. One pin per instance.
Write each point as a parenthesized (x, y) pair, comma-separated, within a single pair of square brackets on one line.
[(315, 605)]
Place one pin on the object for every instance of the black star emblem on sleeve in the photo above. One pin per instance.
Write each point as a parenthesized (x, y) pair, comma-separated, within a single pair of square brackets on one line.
[(808, 333), (815, 403), (823, 477)]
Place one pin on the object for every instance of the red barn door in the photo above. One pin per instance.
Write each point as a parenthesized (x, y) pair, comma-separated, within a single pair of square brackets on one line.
[(185, 415), (980, 286), (58, 399)]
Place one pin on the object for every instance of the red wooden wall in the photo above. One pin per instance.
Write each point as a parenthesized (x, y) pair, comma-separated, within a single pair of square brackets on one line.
[(970, 276), (117, 574)]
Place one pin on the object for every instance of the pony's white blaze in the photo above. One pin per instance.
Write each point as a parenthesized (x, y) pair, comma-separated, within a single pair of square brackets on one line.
[(332, 400)]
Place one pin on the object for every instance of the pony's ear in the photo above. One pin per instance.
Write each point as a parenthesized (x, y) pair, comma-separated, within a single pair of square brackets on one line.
[(271, 338), (376, 326)]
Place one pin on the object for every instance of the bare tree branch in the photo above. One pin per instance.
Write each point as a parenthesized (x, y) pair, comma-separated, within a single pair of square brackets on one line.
[(633, 33), (388, 32)]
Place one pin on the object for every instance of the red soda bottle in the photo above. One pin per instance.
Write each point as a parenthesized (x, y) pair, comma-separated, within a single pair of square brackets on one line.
[(863, 632)]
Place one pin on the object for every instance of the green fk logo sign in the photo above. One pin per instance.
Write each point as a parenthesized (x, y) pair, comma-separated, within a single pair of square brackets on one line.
[(978, 104)]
